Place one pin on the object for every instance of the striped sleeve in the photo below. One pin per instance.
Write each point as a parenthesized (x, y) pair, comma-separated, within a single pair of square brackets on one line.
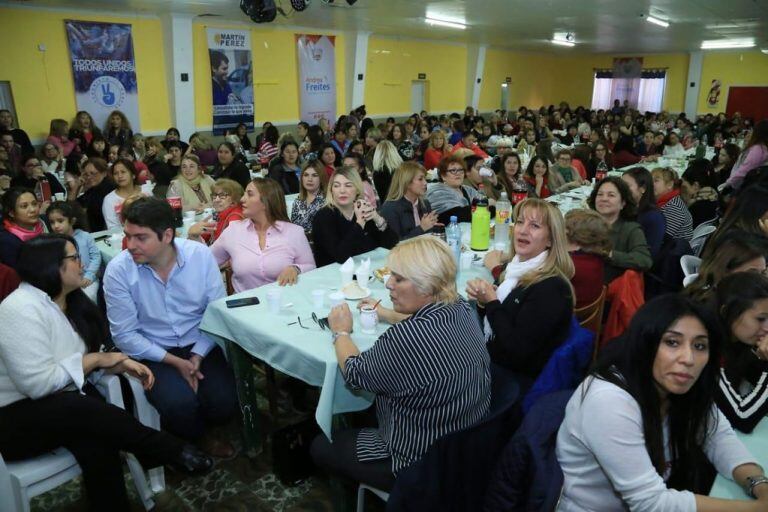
[(744, 405), (678, 218)]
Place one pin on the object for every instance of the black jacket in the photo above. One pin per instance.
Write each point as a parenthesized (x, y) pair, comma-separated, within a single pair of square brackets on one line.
[(22, 181), (236, 171), (9, 248), (92, 200), (399, 215), (529, 325), (285, 177), (337, 238)]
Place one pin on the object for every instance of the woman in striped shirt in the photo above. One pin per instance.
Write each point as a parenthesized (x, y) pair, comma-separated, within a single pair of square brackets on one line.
[(430, 370), (666, 188)]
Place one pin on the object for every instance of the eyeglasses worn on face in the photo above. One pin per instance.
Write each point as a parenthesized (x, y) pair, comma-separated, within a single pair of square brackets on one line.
[(73, 257), (221, 195), (456, 171)]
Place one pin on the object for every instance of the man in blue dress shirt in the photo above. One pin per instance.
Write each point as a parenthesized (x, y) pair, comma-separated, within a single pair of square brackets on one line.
[(156, 292)]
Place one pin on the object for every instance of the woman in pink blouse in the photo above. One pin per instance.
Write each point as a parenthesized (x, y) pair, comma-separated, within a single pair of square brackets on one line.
[(264, 247)]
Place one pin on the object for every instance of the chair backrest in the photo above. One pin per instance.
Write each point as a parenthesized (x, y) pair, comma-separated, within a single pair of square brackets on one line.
[(591, 316), (703, 228), (689, 279), (690, 264), (454, 472), (698, 241)]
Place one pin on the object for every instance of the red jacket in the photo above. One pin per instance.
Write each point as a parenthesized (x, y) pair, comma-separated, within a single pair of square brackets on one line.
[(475, 149), (9, 281), (432, 158)]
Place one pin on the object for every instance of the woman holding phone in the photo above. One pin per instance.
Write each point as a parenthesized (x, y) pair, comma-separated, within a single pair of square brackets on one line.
[(348, 225)]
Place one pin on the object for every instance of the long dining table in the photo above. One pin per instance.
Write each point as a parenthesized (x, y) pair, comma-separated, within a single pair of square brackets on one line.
[(292, 342), (757, 444)]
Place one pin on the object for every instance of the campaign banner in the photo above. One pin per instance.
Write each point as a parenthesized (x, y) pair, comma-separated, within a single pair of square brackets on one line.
[(231, 78), (317, 77), (104, 69)]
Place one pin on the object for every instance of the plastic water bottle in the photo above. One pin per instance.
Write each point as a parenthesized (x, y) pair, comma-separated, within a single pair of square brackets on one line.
[(503, 215), (453, 238), (480, 236)]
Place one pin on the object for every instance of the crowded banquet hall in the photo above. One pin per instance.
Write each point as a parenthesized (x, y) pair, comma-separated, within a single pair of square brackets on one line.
[(339, 255)]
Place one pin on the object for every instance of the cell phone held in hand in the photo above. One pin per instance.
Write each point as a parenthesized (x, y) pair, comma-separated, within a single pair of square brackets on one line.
[(238, 303)]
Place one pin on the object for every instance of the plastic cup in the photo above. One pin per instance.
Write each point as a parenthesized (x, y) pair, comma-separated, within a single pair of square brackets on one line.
[(466, 260), (274, 300), (369, 319), (59, 196), (318, 298)]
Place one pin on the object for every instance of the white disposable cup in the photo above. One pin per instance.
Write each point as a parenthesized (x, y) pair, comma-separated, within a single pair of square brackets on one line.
[(59, 196), (362, 278), (318, 298), (189, 214), (369, 319), (466, 260), (274, 300)]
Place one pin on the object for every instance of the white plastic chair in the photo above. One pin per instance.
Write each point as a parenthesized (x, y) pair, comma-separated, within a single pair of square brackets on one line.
[(689, 279), (698, 240), (690, 264), (21, 481), (701, 229), (384, 496)]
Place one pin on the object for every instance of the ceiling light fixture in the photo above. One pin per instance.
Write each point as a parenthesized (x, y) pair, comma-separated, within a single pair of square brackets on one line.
[(719, 44), (445, 23), (563, 43), (765, 51), (657, 21)]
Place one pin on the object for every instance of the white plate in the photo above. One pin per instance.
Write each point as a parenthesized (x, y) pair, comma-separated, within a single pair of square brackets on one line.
[(366, 292)]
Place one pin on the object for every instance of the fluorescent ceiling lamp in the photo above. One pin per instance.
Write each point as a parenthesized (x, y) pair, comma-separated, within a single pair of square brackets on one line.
[(765, 51), (727, 43), (657, 21), (445, 23), (562, 43)]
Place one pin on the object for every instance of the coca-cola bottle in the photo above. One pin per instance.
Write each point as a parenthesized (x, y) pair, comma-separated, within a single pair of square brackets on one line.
[(602, 171), (519, 189), (175, 202)]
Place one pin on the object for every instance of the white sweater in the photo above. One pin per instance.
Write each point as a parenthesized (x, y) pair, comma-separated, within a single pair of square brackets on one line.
[(601, 450), (40, 352), (110, 208)]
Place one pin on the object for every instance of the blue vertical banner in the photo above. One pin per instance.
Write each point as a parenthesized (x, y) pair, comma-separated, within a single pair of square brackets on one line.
[(231, 78), (104, 69)]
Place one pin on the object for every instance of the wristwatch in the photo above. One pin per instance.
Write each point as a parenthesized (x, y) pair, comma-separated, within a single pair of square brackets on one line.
[(337, 334), (752, 482)]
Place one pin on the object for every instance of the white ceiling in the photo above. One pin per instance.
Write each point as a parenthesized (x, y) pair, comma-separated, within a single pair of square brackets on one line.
[(599, 25)]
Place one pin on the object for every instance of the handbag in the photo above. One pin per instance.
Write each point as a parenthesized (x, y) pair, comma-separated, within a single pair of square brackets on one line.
[(291, 459)]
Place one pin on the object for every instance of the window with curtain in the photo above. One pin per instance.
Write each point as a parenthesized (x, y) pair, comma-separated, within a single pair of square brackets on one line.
[(645, 93), (6, 98)]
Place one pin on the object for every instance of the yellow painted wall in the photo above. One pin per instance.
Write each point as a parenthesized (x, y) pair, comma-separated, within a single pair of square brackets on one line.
[(731, 68), (42, 83), (394, 63), (549, 78), (275, 75)]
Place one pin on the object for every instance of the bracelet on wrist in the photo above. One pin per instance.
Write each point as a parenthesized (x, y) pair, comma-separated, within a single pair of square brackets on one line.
[(752, 482), (336, 335)]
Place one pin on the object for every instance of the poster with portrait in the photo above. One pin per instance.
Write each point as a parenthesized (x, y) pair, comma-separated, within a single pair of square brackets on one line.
[(231, 78), (317, 77), (104, 69), (713, 96)]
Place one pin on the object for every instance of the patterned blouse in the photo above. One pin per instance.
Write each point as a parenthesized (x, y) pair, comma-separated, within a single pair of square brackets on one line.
[(303, 214)]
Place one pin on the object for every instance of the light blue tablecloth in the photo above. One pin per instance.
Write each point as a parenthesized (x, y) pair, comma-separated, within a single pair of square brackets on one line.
[(306, 354), (757, 444)]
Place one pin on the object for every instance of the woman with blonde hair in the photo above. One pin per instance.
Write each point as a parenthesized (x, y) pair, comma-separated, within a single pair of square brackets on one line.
[(438, 148), (589, 243), (59, 135), (529, 315), (406, 209), (430, 370), (312, 185), (385, 161), (264, 247), (192, 186), (348, 225)]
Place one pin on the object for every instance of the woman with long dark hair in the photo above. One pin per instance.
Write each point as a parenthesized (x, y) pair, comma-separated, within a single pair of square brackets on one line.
[(639, 430), (754, 155), (650, 218), (49, 345), (742, 304), (749, 213)]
